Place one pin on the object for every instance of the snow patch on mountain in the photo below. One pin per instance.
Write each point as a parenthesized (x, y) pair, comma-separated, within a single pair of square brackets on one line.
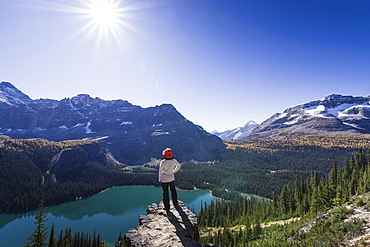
[(294, 121), (315, 110), (38, 129), (337, 111), (353, 126), (127, 123), (87, 128)]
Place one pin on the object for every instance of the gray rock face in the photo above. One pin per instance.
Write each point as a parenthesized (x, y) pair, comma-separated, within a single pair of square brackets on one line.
[(159, 228), (334, 114), (131, 133)]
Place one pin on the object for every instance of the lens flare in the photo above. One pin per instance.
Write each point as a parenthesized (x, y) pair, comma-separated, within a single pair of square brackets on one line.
[(108, 23), (104, 14)]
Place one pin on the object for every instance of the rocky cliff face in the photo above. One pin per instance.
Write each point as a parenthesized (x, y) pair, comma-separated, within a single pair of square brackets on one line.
[(177, 227), (334, 114), (131, 133), (62, 160), (70, 161)]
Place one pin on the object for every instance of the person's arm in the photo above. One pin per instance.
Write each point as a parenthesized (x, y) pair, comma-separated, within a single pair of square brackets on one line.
[(160, 171), (177, 166)]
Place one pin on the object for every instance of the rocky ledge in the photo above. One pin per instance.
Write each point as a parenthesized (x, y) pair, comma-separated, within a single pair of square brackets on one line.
[(177, 227)]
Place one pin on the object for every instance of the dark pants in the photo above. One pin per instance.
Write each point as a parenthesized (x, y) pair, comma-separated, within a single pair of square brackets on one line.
[(166, 198)]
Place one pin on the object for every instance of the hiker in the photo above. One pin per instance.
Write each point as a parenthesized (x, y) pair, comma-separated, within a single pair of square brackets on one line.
[(167, 168)]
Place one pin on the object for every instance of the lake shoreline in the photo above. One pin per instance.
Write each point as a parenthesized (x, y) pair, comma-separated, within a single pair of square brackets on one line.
[(219, 198), (178, 188), (210, 191), (116, 210)]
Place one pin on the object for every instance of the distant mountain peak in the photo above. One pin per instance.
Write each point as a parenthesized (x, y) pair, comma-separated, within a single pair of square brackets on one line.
[(334, 113), (10, 95), (237, 133), (250, 122)]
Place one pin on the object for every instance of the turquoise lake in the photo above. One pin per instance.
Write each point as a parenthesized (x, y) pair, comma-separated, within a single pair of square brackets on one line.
[(108, 213)]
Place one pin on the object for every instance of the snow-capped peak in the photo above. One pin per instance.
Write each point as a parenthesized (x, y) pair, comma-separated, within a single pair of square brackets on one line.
[(334, 113), (249, 123), (11, 95), (237, 133)]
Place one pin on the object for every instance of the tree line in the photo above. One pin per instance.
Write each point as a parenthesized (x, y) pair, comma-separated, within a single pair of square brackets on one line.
[(40, 237)]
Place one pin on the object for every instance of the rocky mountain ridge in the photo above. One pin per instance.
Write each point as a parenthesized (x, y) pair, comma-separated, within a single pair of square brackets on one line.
[(334, 114), (131, 133)]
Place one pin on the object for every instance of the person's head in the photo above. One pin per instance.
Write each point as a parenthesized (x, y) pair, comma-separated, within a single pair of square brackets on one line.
[(167, 154)]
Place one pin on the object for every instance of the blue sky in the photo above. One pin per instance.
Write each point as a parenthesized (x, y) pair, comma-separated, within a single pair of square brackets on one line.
[(221, 63)]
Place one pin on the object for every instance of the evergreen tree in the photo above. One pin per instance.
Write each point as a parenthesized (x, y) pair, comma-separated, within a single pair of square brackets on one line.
[(39, 235), (52, 240), (333, 175), (256, 231), (285, 199)]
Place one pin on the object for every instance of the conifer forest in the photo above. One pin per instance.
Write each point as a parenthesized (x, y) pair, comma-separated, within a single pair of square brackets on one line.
[(296, 177)]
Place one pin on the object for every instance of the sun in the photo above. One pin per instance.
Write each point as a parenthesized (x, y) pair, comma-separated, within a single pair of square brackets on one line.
[(107, 22), (104, 14)]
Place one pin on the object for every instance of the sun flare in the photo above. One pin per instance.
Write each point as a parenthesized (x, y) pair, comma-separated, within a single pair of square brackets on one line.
[(104, 14), (108, 24)]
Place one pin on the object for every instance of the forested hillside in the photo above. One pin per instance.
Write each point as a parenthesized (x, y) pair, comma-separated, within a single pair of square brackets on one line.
[(58, 172), (262, 166), (27, 175), (238, 223)]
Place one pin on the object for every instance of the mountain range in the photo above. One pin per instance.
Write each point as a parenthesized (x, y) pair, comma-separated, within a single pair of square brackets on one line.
[(131, 133), (334, 114), (134, 134)]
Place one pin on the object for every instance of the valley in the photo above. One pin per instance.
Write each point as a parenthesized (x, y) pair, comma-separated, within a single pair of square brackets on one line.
[(63, 171), (303, 161)]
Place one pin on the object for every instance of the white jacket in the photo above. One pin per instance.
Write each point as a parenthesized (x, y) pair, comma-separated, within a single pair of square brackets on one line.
[(167, 169)]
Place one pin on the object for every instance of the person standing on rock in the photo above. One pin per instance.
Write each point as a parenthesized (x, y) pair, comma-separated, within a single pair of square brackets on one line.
[(167, 168)]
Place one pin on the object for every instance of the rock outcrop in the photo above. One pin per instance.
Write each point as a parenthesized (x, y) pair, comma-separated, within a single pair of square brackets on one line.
[(175, 228), (358, 209)]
